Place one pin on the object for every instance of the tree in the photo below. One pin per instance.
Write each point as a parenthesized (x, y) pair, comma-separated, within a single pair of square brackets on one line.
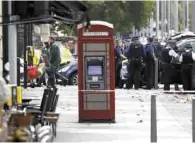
[(65, 29), (123, 14)]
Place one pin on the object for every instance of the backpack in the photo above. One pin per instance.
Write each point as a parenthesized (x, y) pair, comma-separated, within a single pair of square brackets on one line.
[(136, 50)]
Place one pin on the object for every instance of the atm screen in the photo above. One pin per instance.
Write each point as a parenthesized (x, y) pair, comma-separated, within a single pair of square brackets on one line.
[(94, 70)]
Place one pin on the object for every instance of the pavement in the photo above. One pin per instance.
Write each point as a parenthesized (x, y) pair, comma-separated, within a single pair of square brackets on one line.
[(132, 117)]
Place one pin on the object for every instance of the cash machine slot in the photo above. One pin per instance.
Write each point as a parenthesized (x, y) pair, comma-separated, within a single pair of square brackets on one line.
[(94, 86)]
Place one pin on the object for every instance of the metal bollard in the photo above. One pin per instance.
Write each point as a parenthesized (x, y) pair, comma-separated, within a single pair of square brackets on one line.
[(193, 119), (16, 96), (156, 75), (153, 119)]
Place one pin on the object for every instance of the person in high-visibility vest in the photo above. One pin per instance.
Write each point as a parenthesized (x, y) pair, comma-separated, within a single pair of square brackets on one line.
[(66, 55), (37, 56)]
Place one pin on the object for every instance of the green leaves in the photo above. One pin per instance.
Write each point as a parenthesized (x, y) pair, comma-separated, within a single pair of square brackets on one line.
[(123, 14)]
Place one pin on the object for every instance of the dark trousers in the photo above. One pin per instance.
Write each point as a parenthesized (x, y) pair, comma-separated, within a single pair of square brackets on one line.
[(117, 73), (150, 74), (51, 71), (186, 76), (193, 76), (134, 69), (41, 80), (167, 73)]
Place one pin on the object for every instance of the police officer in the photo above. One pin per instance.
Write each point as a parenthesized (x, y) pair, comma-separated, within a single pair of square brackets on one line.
[(167, 54), (187, 59), (158, 47), (135, 55), (119, 57), (150, 62)]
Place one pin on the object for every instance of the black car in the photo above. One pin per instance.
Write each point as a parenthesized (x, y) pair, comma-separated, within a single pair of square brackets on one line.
[(70, 71), (182, 35)]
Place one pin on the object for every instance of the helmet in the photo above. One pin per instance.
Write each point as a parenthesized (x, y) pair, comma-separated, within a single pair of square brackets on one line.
[(135, 38), (150, 39), (188, 46), (118, 41), (172, 43)]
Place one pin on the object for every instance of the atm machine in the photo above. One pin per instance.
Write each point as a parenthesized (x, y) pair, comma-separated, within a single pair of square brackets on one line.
[(96, 73)]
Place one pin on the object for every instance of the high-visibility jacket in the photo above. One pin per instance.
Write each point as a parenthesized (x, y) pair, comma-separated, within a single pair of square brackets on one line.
[(66, 55), (37, 55)]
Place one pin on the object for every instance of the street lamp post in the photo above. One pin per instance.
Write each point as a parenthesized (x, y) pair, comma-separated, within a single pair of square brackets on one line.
[(176, 16), (193, 16), (162, 19), (165, 18), (184, 14), (157, 18), (187, 14), (169, 17), (12, 47)]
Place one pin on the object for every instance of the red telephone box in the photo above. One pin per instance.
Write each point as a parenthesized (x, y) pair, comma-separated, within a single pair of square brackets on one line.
[(96, 72)]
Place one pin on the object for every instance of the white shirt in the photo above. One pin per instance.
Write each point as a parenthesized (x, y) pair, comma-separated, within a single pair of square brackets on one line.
[(181, 57), (172, 53)]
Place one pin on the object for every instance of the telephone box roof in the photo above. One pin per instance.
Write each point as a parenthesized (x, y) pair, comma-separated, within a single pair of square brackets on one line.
[(103, 23)]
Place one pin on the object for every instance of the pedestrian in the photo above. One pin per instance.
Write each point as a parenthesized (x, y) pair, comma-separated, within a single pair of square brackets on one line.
[(135, 55), (54, 61), (119, 57), (187, 59), (150, 63), (167, 55), (44, 58)]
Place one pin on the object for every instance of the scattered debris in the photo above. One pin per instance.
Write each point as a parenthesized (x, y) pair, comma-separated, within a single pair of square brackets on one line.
[(176, 96), (140, 121), (141, 100), (186, 100), (182, 101)]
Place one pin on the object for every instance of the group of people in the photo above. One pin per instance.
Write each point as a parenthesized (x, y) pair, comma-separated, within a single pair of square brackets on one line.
[(139, 55), (186, 59)]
